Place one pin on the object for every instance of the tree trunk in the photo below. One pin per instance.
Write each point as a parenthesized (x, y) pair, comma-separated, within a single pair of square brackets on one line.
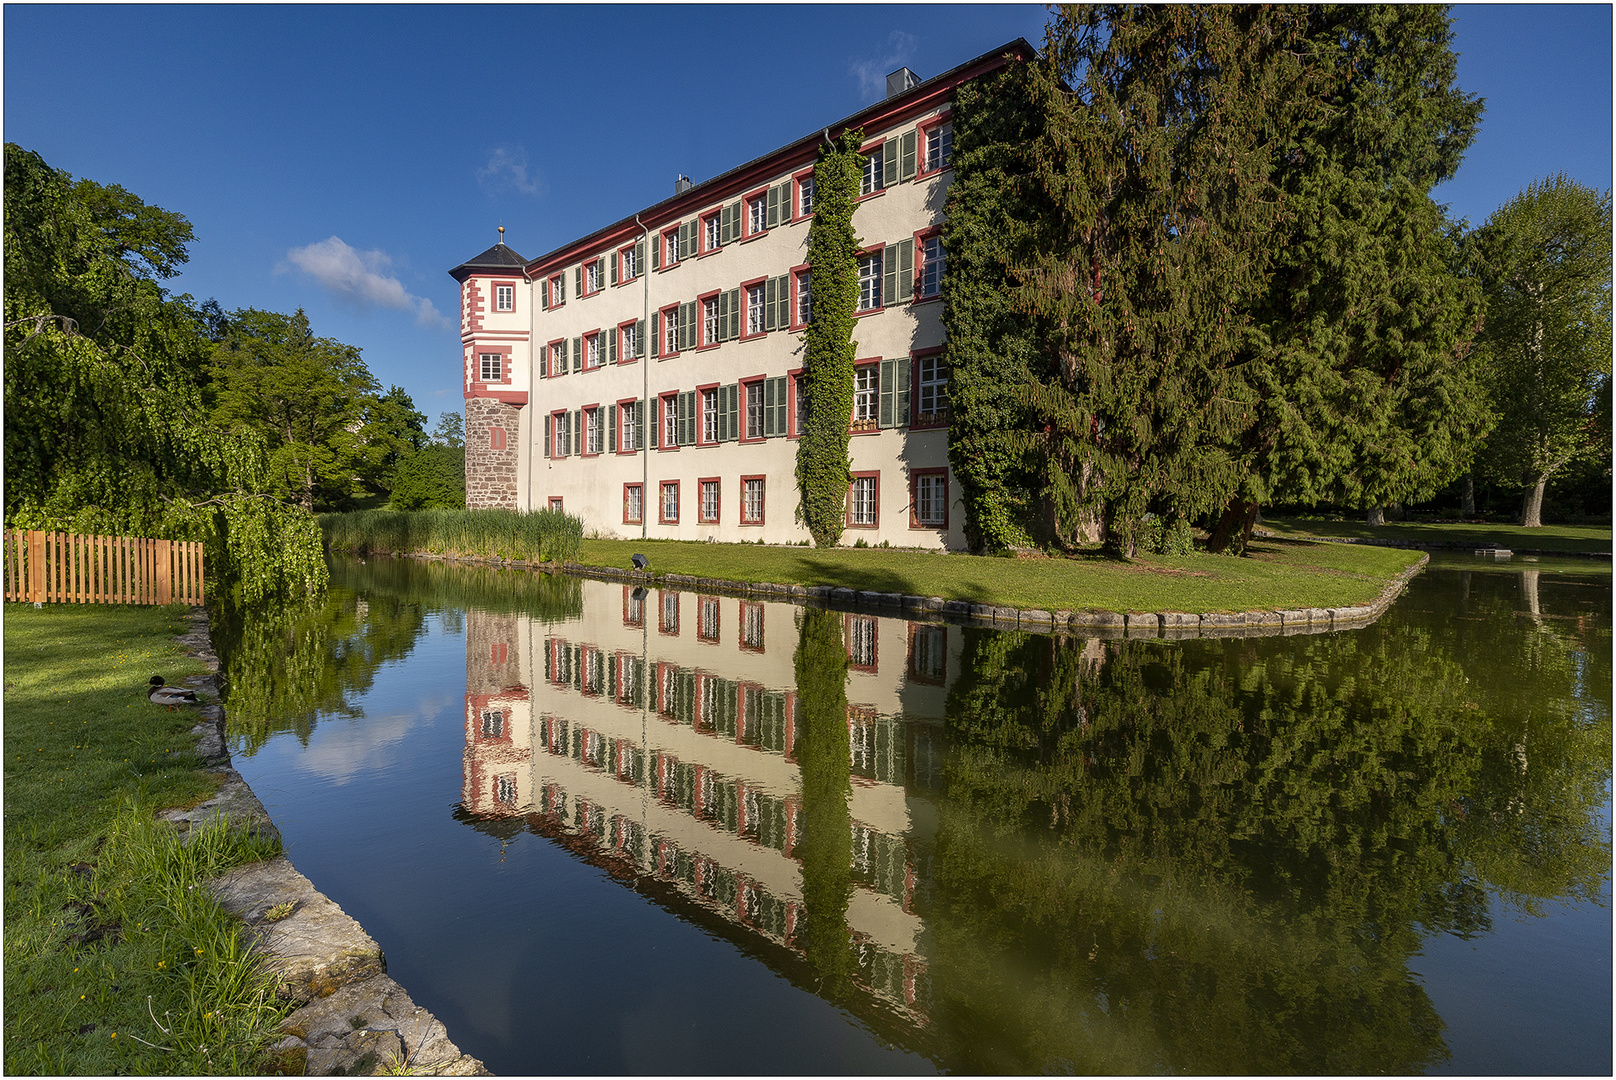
[(1377, 515), (1233, 530), (1532, 509), (1467, 497)]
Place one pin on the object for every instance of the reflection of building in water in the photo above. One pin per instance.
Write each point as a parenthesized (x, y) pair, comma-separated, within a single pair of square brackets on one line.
[(665, 733)]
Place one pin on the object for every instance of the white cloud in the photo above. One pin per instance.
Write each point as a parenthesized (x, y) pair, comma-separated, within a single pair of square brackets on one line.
[(357, 277), (507, 167), (872, 73)]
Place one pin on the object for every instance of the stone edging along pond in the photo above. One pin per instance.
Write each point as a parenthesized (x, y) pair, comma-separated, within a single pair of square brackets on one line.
[(1169, 624), (352, 1019)]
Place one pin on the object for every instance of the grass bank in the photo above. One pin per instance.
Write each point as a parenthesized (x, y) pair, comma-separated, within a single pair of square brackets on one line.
[(536, 536), (1279, 574), (1585, 539), (117, 960)]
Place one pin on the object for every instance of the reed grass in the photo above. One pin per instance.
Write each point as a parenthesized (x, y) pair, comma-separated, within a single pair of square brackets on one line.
[(531, 536)]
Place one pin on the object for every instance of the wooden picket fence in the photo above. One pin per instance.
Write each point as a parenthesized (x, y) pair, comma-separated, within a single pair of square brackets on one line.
[(61, 568)]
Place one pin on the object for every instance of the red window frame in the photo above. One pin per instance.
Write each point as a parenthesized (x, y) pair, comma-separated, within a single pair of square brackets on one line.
[(757, 381), (701, 320), (617, 419), (915, 422), (794, 385), (663, 519), (874, 249), (701, 503), (555, 436), (871, 426), (847, 513), (921, 131), (701, 238), (624, 356), (622, 264), (746, 213), (638, 520), (663, 352), (584, 412), (796, 194), (600, 351), (550, 358), (496, 438), (583, 276), (668, 403), (746, 308), (498, 285), (557, 286), (873, 147), (763, 515), (914, 503), (669, 239), (796, 294), (920, 265), (504, 354), (556, 502), (701, 413)]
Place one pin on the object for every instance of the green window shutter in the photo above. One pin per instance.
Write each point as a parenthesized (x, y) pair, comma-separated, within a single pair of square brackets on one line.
[(639, 256), (782, 296), (774, 407), (731, 423), (544, 294), (769, 298), (656, 252), (614, 260), (578, 279), (887, 385), (639, 338), (547, 421), (889, 274), (639, 428), (905, 261), (687, 240), (779, 205), (900, 392), (656, 333), (611, 344), (733, 328), (723, 316), (687, 418), (656, 425), (560, 288), (687, 320), (906, 156), (578, 353), (611, 429), (889, 163), (577, 432)]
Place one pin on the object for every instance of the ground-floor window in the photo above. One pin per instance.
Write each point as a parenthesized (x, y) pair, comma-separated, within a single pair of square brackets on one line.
[(862, 508), (555, 503), (709, 501), (633, 511), (751, 500), (670, 502), (929, 498)]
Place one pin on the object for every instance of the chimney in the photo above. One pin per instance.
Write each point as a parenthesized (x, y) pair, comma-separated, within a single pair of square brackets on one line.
[(681, 184), (901, 80)]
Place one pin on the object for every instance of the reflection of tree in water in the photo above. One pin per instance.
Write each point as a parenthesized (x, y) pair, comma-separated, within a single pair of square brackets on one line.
[(1219, 856), (826, 846), (287, 665)]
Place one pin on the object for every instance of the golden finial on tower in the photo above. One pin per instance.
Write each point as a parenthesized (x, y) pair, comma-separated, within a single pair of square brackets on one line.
[(502, 234)]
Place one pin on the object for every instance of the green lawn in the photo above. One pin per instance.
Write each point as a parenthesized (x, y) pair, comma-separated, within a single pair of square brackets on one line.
[(1568, 538), (1279, 574), (98, 913)]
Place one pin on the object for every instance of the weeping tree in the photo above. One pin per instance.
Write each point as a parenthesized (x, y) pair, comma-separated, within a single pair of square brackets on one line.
[(1544, 260), (105, 425)]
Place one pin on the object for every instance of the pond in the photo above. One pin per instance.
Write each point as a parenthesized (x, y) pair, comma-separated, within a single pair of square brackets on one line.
[(597, 830)]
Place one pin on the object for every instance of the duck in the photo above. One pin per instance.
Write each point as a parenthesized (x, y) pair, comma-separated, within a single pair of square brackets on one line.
[(171, 696)]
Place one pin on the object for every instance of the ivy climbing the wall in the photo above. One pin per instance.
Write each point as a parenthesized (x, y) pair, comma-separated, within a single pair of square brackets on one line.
[(823, 471)]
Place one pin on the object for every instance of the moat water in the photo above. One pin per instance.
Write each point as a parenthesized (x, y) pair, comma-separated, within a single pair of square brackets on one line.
[(596, 831)]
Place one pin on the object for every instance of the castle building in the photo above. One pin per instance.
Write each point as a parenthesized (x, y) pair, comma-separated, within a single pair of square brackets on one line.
[(648, 377)]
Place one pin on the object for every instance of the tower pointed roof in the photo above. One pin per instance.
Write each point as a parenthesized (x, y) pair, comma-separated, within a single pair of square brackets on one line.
[(497, 258)]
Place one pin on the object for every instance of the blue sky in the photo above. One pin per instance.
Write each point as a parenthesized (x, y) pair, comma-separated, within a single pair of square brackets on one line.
[(342, 159)]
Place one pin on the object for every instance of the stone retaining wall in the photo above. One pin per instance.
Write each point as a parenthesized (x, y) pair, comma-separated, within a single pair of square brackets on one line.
[(353, 1019), (1168, 624)]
